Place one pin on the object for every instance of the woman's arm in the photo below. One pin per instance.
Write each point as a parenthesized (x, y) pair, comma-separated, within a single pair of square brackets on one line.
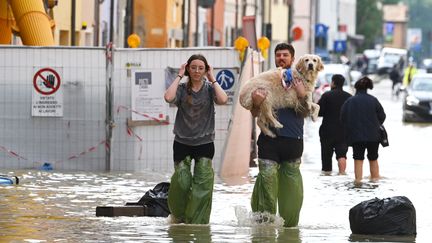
[(221, 97), (170, 93)]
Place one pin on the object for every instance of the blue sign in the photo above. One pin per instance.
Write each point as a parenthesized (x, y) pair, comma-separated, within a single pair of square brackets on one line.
[(321, 30), (339, 46), (225, 78), (389, 28)]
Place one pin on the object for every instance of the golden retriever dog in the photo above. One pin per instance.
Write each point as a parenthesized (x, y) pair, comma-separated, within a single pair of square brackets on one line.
[(280, 94)]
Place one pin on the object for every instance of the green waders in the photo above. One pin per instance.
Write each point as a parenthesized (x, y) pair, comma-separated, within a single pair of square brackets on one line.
[(265, 192), (190, 198), (280, 185), (290, 198), (179, 189)]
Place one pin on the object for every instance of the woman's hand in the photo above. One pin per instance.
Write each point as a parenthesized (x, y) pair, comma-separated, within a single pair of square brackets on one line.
[(182, 69), (209, 74)]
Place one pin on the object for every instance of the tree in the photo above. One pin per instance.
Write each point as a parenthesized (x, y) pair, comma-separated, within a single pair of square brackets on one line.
[(419, 17), (369, 22)]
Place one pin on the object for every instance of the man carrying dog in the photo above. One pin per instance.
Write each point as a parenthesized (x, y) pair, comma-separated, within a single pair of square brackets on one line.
[(279, 182)]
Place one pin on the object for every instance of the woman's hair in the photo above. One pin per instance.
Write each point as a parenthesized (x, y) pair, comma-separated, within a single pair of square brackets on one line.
[(363, 83), (189, 83), (196, 57)]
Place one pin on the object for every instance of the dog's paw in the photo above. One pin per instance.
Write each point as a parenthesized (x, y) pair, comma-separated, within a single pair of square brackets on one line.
[(314, 115), (277, 125), (270, 134)]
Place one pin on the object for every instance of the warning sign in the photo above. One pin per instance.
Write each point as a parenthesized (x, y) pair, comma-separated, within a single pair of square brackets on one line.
[(47, 98), (146, 95)]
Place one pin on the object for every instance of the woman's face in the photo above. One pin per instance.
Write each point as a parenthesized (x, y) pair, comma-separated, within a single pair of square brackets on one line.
[(197, 69)]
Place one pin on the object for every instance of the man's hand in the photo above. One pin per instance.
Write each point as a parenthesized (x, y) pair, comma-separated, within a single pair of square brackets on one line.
[(258, 96), (299, 87)]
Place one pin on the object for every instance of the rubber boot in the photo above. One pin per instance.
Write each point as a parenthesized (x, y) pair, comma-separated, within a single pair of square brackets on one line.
[(179, 190), (200, 201), (290, 192), (265, 192)]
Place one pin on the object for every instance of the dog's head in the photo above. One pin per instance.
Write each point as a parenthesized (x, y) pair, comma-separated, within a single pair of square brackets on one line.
[(309, 63)]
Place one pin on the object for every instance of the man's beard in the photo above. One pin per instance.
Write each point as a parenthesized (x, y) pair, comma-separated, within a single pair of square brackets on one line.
[(283, 64)]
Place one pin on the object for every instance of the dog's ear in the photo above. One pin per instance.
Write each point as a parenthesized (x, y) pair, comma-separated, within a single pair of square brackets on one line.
[(320, 66), (300, 66)]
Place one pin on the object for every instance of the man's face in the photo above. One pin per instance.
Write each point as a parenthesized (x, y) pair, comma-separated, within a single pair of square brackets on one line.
[(283, 59)]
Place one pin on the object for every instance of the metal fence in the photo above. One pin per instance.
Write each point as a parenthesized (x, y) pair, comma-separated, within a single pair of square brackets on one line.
[(73, 107)]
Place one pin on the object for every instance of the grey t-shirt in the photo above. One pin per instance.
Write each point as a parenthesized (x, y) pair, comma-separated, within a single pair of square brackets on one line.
[(195, 122)]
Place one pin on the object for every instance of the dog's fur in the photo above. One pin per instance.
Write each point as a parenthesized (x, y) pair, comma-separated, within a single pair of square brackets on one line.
[(278, 96)]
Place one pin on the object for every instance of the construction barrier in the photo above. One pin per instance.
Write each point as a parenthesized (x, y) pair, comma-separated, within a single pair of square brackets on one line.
[(99, 109)]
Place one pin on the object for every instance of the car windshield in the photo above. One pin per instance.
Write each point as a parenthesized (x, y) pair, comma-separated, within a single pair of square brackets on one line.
[(422, 84), (391, 58)]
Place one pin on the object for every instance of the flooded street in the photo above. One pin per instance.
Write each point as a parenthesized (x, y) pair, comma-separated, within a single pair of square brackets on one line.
[(55, 206)]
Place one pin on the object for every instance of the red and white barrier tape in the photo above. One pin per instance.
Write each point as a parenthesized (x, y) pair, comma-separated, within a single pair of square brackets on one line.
[(91, 149), (163, 122), (12, 153)]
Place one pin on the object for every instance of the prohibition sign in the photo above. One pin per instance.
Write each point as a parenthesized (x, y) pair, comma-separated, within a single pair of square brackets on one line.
[(48, 78)]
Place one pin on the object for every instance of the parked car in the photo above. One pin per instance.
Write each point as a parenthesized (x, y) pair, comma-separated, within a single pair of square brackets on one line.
[(324, 79), (417, 103)]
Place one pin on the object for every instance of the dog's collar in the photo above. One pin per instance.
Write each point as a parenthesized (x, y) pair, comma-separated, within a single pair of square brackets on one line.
[(301, 75), (288, 86)]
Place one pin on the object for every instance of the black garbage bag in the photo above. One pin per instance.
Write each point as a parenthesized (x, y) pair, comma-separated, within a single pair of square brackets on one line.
[(155, 201), (388, 216)]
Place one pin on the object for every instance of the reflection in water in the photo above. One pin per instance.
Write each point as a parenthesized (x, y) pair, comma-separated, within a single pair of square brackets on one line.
[(272, 234), (290, 235), (61, 206), (189, 233)]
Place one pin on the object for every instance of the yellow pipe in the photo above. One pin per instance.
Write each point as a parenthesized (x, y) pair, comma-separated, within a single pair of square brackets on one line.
[(6, 22), (33, 23)]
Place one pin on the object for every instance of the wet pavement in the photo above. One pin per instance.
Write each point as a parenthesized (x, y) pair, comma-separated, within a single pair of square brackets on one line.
[(60, 206)]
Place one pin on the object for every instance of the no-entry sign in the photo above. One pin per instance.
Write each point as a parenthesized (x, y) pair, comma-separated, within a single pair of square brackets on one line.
[(47, 98), (46, 81)]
